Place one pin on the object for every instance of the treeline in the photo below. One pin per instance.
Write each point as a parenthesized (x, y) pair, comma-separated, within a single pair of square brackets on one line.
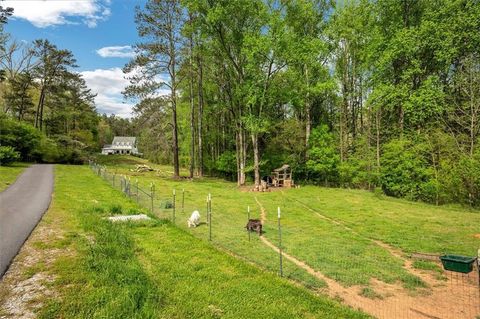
[(368, 94), (48, 113)]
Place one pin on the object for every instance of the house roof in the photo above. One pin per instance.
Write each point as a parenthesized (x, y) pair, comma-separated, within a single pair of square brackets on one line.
[(284, 167), (124, 139)]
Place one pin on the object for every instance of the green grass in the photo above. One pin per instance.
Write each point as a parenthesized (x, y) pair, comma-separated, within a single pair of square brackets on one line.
[(370, 293), (153, 269), (8, 174), (341, 246)]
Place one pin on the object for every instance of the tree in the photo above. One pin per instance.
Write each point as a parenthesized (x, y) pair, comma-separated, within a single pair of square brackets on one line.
[(160, 25), (18, 98), (323, 159), (5, 13), (52, 64)]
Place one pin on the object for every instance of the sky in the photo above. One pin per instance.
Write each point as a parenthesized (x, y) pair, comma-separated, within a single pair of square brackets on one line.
[(100, 34)]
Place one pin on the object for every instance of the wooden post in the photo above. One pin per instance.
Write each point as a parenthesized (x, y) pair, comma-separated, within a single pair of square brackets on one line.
[(280, 243), (248, 219)]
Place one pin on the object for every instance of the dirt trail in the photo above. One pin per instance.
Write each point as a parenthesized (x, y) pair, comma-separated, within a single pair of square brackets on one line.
[(445, 301), (395, 252)]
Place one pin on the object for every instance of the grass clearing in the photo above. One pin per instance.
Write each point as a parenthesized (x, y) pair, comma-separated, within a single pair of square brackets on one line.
[(332, 230), (8, 174), (152, 269)]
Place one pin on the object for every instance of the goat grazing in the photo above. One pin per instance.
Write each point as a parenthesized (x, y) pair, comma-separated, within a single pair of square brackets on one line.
[(254, 225), (194, 219)]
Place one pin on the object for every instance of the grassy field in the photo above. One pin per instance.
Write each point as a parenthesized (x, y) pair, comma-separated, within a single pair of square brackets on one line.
[(342, 233), (8, 174), (150, 269)]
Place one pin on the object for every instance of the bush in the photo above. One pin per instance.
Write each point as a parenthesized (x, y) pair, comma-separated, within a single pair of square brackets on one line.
[(404, 170), (23, 137), (323, 159), (8, 155)]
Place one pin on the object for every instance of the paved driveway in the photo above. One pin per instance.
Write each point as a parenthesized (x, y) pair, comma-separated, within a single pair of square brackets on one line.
[(22, 205)]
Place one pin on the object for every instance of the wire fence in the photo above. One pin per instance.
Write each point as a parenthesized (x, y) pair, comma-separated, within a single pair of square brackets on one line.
[(363, 273)]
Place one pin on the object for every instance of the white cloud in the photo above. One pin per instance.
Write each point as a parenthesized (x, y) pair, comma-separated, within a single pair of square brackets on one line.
[(116, 52), (109, 84), (55, 12)]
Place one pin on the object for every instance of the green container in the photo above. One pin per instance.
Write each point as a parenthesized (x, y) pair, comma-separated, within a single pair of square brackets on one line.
[(456, 263)]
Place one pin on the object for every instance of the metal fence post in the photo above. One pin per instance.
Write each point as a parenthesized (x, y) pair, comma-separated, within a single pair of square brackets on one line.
[(174, 206), (136, 184), (183, 200), (210, 217), (152, 193), (280, 243), (248, 220)]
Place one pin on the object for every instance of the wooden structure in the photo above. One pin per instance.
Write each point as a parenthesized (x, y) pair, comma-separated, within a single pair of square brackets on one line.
[(282, 177)]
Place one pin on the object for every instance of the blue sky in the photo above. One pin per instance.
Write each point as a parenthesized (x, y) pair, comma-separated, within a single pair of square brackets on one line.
[(98, 32)]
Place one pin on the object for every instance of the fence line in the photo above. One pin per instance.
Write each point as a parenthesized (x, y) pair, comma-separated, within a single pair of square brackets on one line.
[(460, 293)]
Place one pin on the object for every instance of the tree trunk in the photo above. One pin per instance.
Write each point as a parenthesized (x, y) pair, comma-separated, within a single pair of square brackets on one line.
[(192, 129), (308, 115), (192, 111), (39, 106), (200, 115), (176, 164), (256, 161), (377, 124)]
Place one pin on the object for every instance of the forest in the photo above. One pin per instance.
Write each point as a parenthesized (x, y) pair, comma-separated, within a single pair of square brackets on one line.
[(381, 95)]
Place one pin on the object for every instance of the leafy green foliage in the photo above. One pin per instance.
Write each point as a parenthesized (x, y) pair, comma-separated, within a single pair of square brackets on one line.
[(404, 170), (8, 155), (23, 137), (323, 159)]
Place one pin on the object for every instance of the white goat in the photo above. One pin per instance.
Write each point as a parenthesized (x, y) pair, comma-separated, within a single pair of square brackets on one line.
[(194, 219)]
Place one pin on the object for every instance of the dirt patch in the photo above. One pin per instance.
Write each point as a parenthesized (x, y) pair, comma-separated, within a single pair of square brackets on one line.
[(476, 236), (457, 297), (24, 287)]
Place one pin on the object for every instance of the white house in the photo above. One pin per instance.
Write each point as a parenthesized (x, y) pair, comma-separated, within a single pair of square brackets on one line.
[(121, 145)]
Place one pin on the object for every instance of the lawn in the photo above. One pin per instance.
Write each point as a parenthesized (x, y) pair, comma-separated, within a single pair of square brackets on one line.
[(8, 174), (152, 269), (335, 231)]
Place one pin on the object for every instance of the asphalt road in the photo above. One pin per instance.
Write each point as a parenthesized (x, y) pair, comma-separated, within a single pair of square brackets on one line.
[(22, 205)]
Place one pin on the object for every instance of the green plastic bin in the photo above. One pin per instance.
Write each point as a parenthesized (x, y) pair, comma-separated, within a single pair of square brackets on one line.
[(457, 263)]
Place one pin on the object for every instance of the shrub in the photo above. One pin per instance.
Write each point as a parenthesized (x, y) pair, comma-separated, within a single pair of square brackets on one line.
[(23, 137), (404, 170), (8, 155), (323, 159)]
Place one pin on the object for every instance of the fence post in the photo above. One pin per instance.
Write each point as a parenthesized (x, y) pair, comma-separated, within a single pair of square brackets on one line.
[(174, 206), (152, 193), (248, 219), (280, 243), (136, 184), (478, 267), (129, 184), (113, 179), (210, 218), (183, 200)]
